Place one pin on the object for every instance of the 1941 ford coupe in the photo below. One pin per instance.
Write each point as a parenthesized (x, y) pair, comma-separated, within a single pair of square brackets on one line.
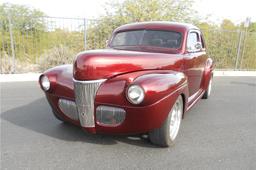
[(150, 74)]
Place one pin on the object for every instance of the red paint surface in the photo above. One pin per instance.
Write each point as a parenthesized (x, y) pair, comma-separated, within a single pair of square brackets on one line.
[(164, 75)]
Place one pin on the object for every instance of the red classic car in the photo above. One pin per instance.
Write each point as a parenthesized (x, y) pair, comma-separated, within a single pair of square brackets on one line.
[(149, 75)]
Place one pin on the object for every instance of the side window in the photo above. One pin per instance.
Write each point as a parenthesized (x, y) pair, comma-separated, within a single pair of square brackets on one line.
[(193, 39)]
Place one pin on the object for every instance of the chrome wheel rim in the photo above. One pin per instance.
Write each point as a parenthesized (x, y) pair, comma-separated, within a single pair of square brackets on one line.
[(209, 87), (176, 117)]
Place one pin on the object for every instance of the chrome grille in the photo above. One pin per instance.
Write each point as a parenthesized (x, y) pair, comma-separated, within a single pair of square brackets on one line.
[(85, 92), (68, 108), (110, 116)]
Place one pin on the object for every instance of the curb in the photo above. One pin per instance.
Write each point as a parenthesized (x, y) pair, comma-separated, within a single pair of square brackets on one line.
[(19, 77), (234, 73), (35, 76)]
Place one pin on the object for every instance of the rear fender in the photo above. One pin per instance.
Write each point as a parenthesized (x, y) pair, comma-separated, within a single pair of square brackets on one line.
[(208, 73)]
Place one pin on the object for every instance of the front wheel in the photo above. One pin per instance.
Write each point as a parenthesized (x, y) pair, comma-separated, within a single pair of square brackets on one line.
[(167, 133)]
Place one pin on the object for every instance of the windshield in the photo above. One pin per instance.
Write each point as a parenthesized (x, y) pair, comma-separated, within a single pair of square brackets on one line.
[(155, 38)]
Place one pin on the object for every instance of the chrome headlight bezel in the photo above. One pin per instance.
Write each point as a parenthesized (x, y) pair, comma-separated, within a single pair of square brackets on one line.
[(45, 83), (135, 94)]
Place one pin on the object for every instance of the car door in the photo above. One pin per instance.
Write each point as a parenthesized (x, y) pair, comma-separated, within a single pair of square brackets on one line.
[(194, 62)]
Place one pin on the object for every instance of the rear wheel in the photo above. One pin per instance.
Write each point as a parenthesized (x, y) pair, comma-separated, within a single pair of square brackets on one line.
[(167, 133), (207, 93)]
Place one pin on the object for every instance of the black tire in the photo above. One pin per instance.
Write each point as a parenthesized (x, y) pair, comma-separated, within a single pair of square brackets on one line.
[(161, 136), (207, 93)]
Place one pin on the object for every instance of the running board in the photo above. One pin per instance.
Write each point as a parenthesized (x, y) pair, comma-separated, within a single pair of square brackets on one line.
[(194, 98)]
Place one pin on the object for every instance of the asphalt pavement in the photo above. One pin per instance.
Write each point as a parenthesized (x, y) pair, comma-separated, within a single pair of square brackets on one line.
[(218, 133)]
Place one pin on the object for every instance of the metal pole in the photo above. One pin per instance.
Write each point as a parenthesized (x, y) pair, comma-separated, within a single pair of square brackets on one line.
[(85, 45), (245, 36), (12, 44), (238, 49)]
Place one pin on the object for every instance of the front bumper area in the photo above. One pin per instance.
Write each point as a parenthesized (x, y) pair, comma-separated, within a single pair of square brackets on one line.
[(68, 108), (137, 119), (105, 115)]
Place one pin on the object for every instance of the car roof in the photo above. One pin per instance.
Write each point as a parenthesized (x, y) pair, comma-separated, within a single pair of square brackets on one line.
[(157, 25)]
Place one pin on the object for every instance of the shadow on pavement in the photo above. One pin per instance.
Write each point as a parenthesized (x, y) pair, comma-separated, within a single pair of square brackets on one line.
[(37, 116)]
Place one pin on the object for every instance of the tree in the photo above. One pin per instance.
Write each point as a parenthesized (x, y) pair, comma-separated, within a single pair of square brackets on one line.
[(136, 11), (22, 17), (148, 10), (228, 25), (26, 23)]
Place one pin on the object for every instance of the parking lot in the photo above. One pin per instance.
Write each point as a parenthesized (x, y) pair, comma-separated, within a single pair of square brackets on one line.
[(218, 133)]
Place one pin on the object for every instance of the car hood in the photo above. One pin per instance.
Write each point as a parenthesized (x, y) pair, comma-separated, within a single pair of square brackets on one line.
[(103, 64)]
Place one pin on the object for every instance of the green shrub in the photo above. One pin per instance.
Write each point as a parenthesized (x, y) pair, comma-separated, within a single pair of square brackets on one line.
[(6, 65), (57, 55)]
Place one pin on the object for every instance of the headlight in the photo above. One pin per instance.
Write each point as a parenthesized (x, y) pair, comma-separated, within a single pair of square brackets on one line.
[(135, 94), (45, 83)]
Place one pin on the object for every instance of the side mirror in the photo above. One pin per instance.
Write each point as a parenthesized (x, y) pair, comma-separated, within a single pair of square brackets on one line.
[(198, 46), (195, 48)]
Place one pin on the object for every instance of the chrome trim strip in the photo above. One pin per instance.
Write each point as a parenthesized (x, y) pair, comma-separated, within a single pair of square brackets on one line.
[(85, 92), (89, 81)]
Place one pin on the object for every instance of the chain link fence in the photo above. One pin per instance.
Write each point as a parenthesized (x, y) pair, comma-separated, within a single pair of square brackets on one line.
[(35, 44), (39, 43), (232, 49)]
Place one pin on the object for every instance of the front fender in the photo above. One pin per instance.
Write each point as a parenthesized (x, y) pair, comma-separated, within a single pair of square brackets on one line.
[(156, 84), (162, 89), (61, 78), (161, 85)]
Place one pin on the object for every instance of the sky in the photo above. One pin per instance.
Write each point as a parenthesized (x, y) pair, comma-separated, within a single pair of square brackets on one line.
[(235, 10)]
